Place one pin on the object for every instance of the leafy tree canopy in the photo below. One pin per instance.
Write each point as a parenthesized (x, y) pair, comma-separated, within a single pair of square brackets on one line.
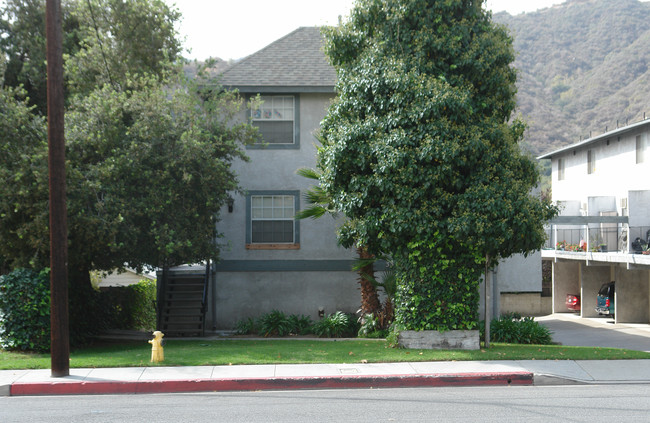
[(104, 41), (148, 152), (417, 150)]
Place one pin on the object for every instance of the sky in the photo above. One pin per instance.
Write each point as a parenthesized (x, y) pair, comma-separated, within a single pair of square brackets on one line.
[(233, 29)]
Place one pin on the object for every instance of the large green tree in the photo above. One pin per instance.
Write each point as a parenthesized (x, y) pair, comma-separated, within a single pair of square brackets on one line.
[(104, 41), (419, 154), (148, 152)]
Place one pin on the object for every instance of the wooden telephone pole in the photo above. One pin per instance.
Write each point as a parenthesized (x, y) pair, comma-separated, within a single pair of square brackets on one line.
[(60, 336)]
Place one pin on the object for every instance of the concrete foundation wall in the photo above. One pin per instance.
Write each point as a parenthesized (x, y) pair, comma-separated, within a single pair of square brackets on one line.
[(240, 295), (632, 296), (566, 280), (525, 303), (434, 340)]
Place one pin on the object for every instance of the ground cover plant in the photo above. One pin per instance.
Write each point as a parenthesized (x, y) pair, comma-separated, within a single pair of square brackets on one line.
[(295, 351), (514, 329), (277, 323)]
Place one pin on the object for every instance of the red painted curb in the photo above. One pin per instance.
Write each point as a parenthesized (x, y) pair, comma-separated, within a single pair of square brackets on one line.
[(259, 384)]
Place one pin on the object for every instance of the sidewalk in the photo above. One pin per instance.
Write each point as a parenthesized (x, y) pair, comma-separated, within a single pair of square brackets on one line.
[(321, 376)]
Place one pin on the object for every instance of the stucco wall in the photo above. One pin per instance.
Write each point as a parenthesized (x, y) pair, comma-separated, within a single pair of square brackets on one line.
[(270, 170), (566, 280), (616, 170), (250, 294), (639, 203), (525, 303), (519, 273), (632, 296), (251, 282)]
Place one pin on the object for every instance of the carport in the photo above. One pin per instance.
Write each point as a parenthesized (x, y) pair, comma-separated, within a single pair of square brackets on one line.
[(576, 275)]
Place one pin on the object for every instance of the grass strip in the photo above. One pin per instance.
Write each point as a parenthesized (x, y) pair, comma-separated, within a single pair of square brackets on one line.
[(240, 352)]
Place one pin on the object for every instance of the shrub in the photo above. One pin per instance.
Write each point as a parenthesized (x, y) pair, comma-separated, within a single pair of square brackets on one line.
[(143, 314), (514, 329), (300, 324), (246, 327), (370, 327), (25, 310), (437, 286), (130, 307), (275, 323), (336, 325)]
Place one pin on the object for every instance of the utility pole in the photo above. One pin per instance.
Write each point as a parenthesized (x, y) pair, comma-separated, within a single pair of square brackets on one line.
[(60, 335)]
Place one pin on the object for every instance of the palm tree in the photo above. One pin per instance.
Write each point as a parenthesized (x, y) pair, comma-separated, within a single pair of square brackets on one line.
[(320, 204)]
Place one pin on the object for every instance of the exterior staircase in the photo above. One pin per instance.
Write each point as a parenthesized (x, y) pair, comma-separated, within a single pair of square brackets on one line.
[(182, 296)]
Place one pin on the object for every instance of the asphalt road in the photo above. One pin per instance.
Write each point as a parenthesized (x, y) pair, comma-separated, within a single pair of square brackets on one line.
[(583, 403)]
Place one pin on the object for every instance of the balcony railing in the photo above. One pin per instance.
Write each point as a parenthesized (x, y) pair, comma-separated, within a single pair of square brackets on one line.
[(596, 234)]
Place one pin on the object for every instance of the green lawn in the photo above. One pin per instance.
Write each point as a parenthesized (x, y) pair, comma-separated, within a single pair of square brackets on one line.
[(225, 352)]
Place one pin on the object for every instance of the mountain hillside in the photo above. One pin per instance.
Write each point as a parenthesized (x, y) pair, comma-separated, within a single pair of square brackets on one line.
[(583, 66)]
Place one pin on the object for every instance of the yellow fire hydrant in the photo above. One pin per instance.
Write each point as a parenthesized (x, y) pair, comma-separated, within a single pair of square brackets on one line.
[(157, 353)]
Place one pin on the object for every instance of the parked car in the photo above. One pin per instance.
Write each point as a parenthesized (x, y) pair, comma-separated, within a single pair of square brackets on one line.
[(573, 302), (605, 300)]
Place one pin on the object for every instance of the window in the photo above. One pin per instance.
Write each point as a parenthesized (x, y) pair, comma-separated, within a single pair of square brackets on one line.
[(591, 162), (560, 169), (271, 223), (641, 147), (276, 119)]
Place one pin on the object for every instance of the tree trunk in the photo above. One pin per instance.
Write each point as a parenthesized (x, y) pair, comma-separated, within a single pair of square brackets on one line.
[(488, 305), (387, 315), (86, 310), (369, 298)]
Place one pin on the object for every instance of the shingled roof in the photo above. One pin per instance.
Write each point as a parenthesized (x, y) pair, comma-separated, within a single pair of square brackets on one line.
[(294, 63)]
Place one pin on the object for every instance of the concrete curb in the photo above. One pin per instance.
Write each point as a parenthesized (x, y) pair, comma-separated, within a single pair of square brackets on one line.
[(259, 384)]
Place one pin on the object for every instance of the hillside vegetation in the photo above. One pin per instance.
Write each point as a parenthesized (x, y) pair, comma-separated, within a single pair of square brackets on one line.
[(582, 66)]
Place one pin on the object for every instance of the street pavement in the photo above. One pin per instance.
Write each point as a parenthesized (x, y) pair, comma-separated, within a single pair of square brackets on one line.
[(358, 375)]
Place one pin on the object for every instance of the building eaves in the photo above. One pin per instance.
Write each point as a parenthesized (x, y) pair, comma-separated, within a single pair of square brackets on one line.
[(592, 140)]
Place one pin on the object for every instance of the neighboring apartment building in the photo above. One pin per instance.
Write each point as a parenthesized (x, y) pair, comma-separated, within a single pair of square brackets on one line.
[(603, 189)]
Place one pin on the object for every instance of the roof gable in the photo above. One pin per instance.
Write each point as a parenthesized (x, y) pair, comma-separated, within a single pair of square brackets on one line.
[(295, 62)]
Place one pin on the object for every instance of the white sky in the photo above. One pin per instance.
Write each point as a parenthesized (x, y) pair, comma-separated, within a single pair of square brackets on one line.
[(232, 29)]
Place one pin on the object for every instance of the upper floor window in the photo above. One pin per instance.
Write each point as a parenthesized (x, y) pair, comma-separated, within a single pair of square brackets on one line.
[(275, 119), (560, 169), (591, 161), (641, 147)]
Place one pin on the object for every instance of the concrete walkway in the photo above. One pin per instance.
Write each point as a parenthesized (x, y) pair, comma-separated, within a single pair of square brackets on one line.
[(571, 329), (321, 376)]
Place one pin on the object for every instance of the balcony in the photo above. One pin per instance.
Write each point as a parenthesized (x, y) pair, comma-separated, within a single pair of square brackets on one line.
[(605, 239)]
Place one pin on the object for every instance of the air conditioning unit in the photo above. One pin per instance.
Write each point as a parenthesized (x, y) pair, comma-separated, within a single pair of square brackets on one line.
[(623, 203)]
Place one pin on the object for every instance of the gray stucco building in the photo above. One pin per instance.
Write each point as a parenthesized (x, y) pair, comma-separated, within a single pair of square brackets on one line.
[(271, 260)]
